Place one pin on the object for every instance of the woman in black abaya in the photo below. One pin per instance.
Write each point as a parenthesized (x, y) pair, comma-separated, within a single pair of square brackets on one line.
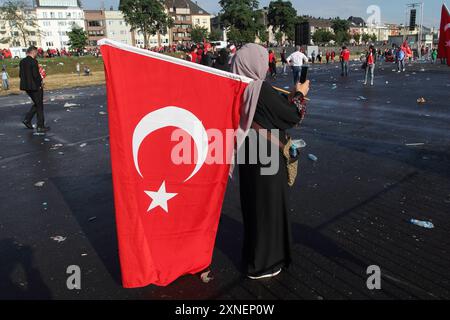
[(267, 235)]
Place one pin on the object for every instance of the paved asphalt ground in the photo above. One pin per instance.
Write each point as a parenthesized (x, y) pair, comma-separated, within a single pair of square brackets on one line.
[(349, 210)]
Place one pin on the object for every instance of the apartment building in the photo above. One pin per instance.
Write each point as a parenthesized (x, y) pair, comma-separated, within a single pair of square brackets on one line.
[(55, 18)]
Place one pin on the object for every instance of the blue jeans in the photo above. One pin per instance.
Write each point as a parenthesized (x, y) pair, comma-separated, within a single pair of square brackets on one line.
[(5, 84), (344, 68), (370, 71), (296, 71), (401, 65)]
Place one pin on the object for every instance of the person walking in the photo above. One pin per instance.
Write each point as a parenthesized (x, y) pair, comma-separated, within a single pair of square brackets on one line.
[(434, 55), (313, 57), (319, 57), (207, 58), (32, 83), (333, 56), (5, 79), (78, 68), (267, 247), (296, 60), (370, 65), (345, 59), (284, 61), (328, 56), (400, 56), (272, 64)]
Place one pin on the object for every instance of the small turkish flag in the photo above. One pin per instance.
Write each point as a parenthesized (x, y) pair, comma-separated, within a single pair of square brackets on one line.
[(167, 213), (444, 38)]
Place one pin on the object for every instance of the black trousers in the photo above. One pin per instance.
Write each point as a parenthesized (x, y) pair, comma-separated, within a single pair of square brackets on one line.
[(37, 109)]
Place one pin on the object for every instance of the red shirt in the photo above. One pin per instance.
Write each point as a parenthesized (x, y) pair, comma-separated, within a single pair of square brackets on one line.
[(271, 58), (370, 59), (194, 56), (345, 55)]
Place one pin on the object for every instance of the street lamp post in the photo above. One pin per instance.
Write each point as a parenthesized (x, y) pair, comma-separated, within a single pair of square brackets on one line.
[(409, 8)]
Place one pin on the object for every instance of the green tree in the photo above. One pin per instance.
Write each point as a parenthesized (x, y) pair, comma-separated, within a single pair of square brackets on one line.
[(263, 36), (14, 13), (373, 37), (357, 37), (78, 38), (279, 37), (342, 37), (146, 16), (282, 17), (215, 35), (365, 37), (242, 18), (198, 34), (322, 36), (340, 25)]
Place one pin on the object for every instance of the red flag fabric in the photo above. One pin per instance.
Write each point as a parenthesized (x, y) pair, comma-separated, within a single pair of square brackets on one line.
[(444, 38), (167, 213)]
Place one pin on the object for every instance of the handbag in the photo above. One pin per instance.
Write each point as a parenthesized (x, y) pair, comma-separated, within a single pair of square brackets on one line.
[(291, 163)]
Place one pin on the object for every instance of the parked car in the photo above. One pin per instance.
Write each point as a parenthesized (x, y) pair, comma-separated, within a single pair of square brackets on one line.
[(18, 52), (220, 44)]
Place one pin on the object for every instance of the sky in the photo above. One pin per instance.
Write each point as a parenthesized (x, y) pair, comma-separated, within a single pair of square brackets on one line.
[(391, 11)]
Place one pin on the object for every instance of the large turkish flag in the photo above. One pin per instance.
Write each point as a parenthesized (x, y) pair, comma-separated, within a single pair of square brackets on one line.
[(444, 38), (167, 213)]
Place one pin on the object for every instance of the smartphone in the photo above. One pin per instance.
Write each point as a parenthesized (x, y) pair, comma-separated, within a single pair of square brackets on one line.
[(304, 74)]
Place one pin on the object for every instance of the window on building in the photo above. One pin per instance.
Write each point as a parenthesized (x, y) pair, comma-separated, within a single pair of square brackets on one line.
[(44, 15), (52, 15), (49, 44), (94, 23), (60, 15)]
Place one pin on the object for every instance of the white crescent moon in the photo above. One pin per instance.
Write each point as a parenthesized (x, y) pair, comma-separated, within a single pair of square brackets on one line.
[(447, 27), (172, 117)]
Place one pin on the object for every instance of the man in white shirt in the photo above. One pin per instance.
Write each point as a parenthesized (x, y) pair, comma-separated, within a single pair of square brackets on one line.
[(296, 60)]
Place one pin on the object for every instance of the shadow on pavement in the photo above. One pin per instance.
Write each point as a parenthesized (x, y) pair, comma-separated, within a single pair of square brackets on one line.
[(14, 285), (90, 199)]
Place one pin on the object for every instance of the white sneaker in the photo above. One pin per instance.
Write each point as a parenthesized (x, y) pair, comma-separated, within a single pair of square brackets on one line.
[(265, 276)]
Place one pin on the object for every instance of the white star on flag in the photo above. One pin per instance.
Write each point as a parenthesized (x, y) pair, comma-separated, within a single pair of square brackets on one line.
[(160, 198)]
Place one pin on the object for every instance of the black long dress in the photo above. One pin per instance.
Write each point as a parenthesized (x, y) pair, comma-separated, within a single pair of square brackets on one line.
[(267, 232)]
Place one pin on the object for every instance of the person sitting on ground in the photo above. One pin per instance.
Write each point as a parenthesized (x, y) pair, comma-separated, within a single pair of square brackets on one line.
[(87, 71)]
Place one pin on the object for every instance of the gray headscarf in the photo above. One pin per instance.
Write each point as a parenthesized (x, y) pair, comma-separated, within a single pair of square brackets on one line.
[(250, 61)]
